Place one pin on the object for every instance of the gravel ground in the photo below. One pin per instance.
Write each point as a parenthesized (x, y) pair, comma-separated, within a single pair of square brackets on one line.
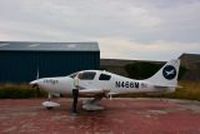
[(121, 116)]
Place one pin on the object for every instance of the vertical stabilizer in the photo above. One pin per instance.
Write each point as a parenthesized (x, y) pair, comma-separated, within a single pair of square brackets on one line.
[(167, 75)]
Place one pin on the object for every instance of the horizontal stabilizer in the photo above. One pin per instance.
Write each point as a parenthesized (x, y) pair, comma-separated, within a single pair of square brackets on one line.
[(161, 86)]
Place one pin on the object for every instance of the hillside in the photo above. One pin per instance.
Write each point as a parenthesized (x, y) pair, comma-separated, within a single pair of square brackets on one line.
[(190, 67), (192, 63)]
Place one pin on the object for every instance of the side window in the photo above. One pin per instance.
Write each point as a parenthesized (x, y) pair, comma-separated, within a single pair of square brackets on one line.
[(104, 77), (87, 75)]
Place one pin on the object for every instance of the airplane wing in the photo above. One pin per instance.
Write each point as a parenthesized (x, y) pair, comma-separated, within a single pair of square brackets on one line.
[(93, 91)]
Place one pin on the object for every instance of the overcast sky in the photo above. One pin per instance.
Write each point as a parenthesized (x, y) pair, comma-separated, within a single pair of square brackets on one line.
[(124, 29)]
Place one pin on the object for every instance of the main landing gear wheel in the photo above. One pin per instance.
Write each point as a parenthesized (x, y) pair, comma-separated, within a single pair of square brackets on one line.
[(93, 105)]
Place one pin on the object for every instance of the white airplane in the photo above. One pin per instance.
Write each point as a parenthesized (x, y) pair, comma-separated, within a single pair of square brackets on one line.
[(99, 84)]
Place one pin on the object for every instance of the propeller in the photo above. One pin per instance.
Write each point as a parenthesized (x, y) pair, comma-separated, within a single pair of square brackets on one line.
[(36, 86), (37, 77), (38, 74)]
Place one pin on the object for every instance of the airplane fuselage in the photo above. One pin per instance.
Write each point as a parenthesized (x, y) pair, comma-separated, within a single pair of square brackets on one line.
[(115, 85)]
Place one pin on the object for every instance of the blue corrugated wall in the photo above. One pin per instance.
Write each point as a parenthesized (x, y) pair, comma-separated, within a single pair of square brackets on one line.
[(22, 66)]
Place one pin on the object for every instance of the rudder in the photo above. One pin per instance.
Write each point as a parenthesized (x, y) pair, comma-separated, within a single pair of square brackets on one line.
[(167, 75)]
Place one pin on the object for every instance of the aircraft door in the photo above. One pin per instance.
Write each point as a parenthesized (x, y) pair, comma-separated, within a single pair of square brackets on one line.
[(86, 79)]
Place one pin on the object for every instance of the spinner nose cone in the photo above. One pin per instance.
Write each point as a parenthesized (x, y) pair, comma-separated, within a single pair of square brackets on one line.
[(34, 82)]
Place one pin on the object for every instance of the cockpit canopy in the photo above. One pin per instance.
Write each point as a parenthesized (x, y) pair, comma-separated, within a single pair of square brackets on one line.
[(90, 75), (87, 75)]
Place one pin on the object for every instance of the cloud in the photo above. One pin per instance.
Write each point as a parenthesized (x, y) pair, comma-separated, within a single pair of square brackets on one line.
[(154, 29), (124, 49)]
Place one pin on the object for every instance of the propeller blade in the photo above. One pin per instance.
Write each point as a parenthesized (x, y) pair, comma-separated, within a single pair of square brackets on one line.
[(75, 93), (38, 74)]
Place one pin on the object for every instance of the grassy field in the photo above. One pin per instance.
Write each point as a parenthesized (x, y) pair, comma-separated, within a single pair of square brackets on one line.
[(20, 91), (190, 90)]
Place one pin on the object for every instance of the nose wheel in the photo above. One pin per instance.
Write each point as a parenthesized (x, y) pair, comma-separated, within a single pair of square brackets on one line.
[(49, 104)]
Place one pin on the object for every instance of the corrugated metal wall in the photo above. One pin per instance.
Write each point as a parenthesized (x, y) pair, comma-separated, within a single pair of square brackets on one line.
[(22, 66)]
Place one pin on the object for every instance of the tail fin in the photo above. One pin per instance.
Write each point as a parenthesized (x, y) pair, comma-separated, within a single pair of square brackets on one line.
[(167, 75)]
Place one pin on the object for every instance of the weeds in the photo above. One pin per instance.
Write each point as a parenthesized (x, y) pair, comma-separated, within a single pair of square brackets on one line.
[(20, 91)]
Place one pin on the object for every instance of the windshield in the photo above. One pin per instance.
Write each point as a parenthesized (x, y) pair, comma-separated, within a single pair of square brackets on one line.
[(87, 75)]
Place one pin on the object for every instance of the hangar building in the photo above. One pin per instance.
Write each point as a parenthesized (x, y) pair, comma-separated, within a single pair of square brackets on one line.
[(20, 61)]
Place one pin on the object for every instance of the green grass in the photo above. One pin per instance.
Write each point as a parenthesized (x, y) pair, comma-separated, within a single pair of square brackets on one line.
[(19, 91), (190, 90)]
